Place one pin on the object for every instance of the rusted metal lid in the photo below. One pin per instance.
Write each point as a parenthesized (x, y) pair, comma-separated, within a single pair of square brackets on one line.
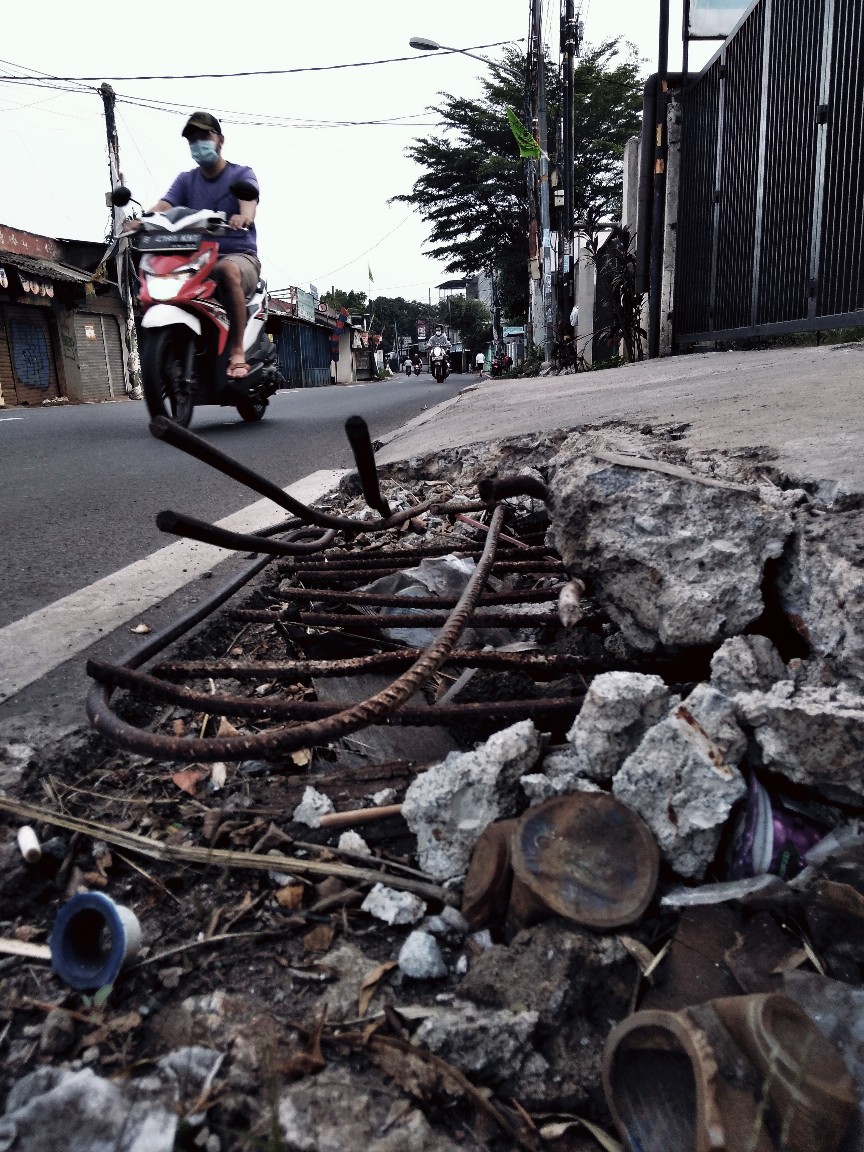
[(588, 857), (487, 885)]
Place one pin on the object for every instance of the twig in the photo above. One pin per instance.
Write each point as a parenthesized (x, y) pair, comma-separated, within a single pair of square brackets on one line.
[(203, 944), (359, 816), (221, 858), (24, 948)]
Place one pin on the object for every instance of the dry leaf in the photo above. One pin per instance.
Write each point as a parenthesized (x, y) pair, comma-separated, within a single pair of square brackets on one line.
[(28, 932), (302, 757), (178, 727), (311, 1059), (643, 956), (370, 984), (141, 629), (226, 728), (290, 897), (188, 779), (212, 820), (320, 938), (124, 1023), (218, 773)]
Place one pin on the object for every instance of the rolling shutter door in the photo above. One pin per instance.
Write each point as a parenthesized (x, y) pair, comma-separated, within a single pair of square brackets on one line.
[(7, 380), (100, 356), (34, 372)]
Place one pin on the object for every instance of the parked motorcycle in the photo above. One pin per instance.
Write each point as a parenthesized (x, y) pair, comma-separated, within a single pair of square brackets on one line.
[(496, 368), (439, 364), (184, 339)]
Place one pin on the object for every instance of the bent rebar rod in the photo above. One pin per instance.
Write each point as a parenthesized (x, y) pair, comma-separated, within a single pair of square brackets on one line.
[(374, 710), (178, 524), (357, 432)]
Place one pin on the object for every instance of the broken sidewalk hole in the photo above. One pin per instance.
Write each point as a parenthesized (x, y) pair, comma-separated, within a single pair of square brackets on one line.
[(92, 939), (587, 857), (745, 1072)]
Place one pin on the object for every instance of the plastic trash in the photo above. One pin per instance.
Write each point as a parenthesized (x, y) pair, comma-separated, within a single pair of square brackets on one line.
[(92, 939), (770, 838)]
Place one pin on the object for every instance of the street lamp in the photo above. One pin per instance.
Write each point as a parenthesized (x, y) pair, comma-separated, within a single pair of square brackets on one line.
[(424, 44)]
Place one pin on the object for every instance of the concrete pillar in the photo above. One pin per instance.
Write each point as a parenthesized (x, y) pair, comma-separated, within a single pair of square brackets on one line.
[(670, 238), (630, 192), (68, 347), (585, 293)]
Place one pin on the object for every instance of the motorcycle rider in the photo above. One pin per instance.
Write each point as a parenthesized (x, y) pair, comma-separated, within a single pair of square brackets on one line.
[(207, 186), (438, 339)]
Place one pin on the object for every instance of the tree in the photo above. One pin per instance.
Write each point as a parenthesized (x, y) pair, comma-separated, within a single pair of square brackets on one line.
[(473, 191), (392, 315), (470, 317), (354, 302)]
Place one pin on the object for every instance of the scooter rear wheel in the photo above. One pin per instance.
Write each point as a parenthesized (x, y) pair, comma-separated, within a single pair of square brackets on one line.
[(163, 355), (251, 410)]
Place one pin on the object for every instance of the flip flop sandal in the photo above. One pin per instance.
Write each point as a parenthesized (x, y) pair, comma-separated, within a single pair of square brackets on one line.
[(238, 371), (741, 1074)]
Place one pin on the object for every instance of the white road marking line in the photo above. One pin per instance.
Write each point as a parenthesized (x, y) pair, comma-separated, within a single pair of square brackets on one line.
[(6, 419), (36, 644)]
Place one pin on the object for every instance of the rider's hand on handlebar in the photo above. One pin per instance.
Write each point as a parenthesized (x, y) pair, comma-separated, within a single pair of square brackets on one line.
[(239, 222)]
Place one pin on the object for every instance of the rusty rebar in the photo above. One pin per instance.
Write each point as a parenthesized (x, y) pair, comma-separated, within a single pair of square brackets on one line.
[(273, 708), (480, 619), (495, 488), (178, 524), (402, 601), (357, 432), (537, 662), (374, 710)]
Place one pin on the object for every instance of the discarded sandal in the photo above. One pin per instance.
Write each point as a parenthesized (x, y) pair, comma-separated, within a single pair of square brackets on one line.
[(741, 1074)]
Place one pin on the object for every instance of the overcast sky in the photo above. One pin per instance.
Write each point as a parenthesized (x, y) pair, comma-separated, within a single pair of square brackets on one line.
[(324, 216)]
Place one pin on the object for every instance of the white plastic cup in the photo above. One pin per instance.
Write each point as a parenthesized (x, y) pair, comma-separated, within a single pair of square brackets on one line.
[(28, 842)]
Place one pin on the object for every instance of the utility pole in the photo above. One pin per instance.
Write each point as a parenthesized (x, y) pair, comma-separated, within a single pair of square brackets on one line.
[(570, 37), (545, 220), (133, 361), (658, 208)]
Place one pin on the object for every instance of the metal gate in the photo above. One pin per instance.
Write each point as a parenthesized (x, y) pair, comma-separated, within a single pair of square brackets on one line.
[(771, 208), (100, 356), (26, 355), (304, 354)]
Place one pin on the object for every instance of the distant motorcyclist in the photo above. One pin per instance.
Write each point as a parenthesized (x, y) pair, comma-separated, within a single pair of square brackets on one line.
[(439, 339)]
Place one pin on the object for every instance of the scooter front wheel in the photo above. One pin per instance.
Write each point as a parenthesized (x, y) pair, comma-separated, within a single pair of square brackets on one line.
[(251, 410), (163, 355)]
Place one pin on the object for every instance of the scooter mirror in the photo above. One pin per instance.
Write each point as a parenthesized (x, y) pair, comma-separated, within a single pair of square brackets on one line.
[(243, 190), (121, 196)]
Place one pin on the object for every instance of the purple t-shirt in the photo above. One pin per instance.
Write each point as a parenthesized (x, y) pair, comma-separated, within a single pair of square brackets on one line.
[(193, 190)]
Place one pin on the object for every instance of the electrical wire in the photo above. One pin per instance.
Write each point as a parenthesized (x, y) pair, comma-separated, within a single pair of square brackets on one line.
[(377, 244), (268, 71)]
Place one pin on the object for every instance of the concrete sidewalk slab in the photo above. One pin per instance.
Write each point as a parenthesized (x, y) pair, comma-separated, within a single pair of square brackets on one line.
[(805, 404)]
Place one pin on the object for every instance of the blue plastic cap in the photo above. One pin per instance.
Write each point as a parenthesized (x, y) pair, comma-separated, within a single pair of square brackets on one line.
[(88, 942)]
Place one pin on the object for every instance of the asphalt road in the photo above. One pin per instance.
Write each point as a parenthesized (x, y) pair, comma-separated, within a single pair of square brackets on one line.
[(81, 485)]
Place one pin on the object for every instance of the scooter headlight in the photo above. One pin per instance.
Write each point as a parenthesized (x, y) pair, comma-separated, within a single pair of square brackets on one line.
[(167, 287)]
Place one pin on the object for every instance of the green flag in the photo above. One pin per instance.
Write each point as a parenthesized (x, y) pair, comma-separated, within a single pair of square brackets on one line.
[(529, 149)]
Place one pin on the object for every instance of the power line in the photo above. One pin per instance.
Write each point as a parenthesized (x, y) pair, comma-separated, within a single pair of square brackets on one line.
[(377, 244), (264, 72)]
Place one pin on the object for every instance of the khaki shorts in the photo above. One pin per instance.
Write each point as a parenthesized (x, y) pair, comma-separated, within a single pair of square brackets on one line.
[(250, 269)]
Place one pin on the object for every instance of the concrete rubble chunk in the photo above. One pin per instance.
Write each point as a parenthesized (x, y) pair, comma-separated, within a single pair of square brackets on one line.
[(675, 561), (354, 842), (821, 586), (420, 957), (493, 1047), (810, 735), (312, 807), (393, 907), (683, 779), (448, 806), (618, 710), (370, 1116), (746, 664)]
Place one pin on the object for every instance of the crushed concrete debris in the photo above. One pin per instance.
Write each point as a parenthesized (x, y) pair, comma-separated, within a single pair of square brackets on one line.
[(393, 907), (674, 561), (353, 842), (420, 957), (811, 736), (448, 806), (746, 664), (683, 779), (312, 807), (821, 586), (495, 1046), (618, 710)]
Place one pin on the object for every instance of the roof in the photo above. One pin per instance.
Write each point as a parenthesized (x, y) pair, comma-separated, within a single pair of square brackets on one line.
[(49, 269), (451, 284)]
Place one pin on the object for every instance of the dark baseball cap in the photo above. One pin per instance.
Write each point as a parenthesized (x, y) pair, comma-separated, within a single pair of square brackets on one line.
[(202, 121)]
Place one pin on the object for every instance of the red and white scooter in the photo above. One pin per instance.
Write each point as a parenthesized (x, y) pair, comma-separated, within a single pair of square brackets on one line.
[(184, 338)]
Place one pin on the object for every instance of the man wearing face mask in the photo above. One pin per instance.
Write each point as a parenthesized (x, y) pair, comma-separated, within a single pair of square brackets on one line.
[(208, 186)]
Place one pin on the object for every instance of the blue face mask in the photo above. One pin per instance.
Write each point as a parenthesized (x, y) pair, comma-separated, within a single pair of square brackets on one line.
[(204, 153)]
